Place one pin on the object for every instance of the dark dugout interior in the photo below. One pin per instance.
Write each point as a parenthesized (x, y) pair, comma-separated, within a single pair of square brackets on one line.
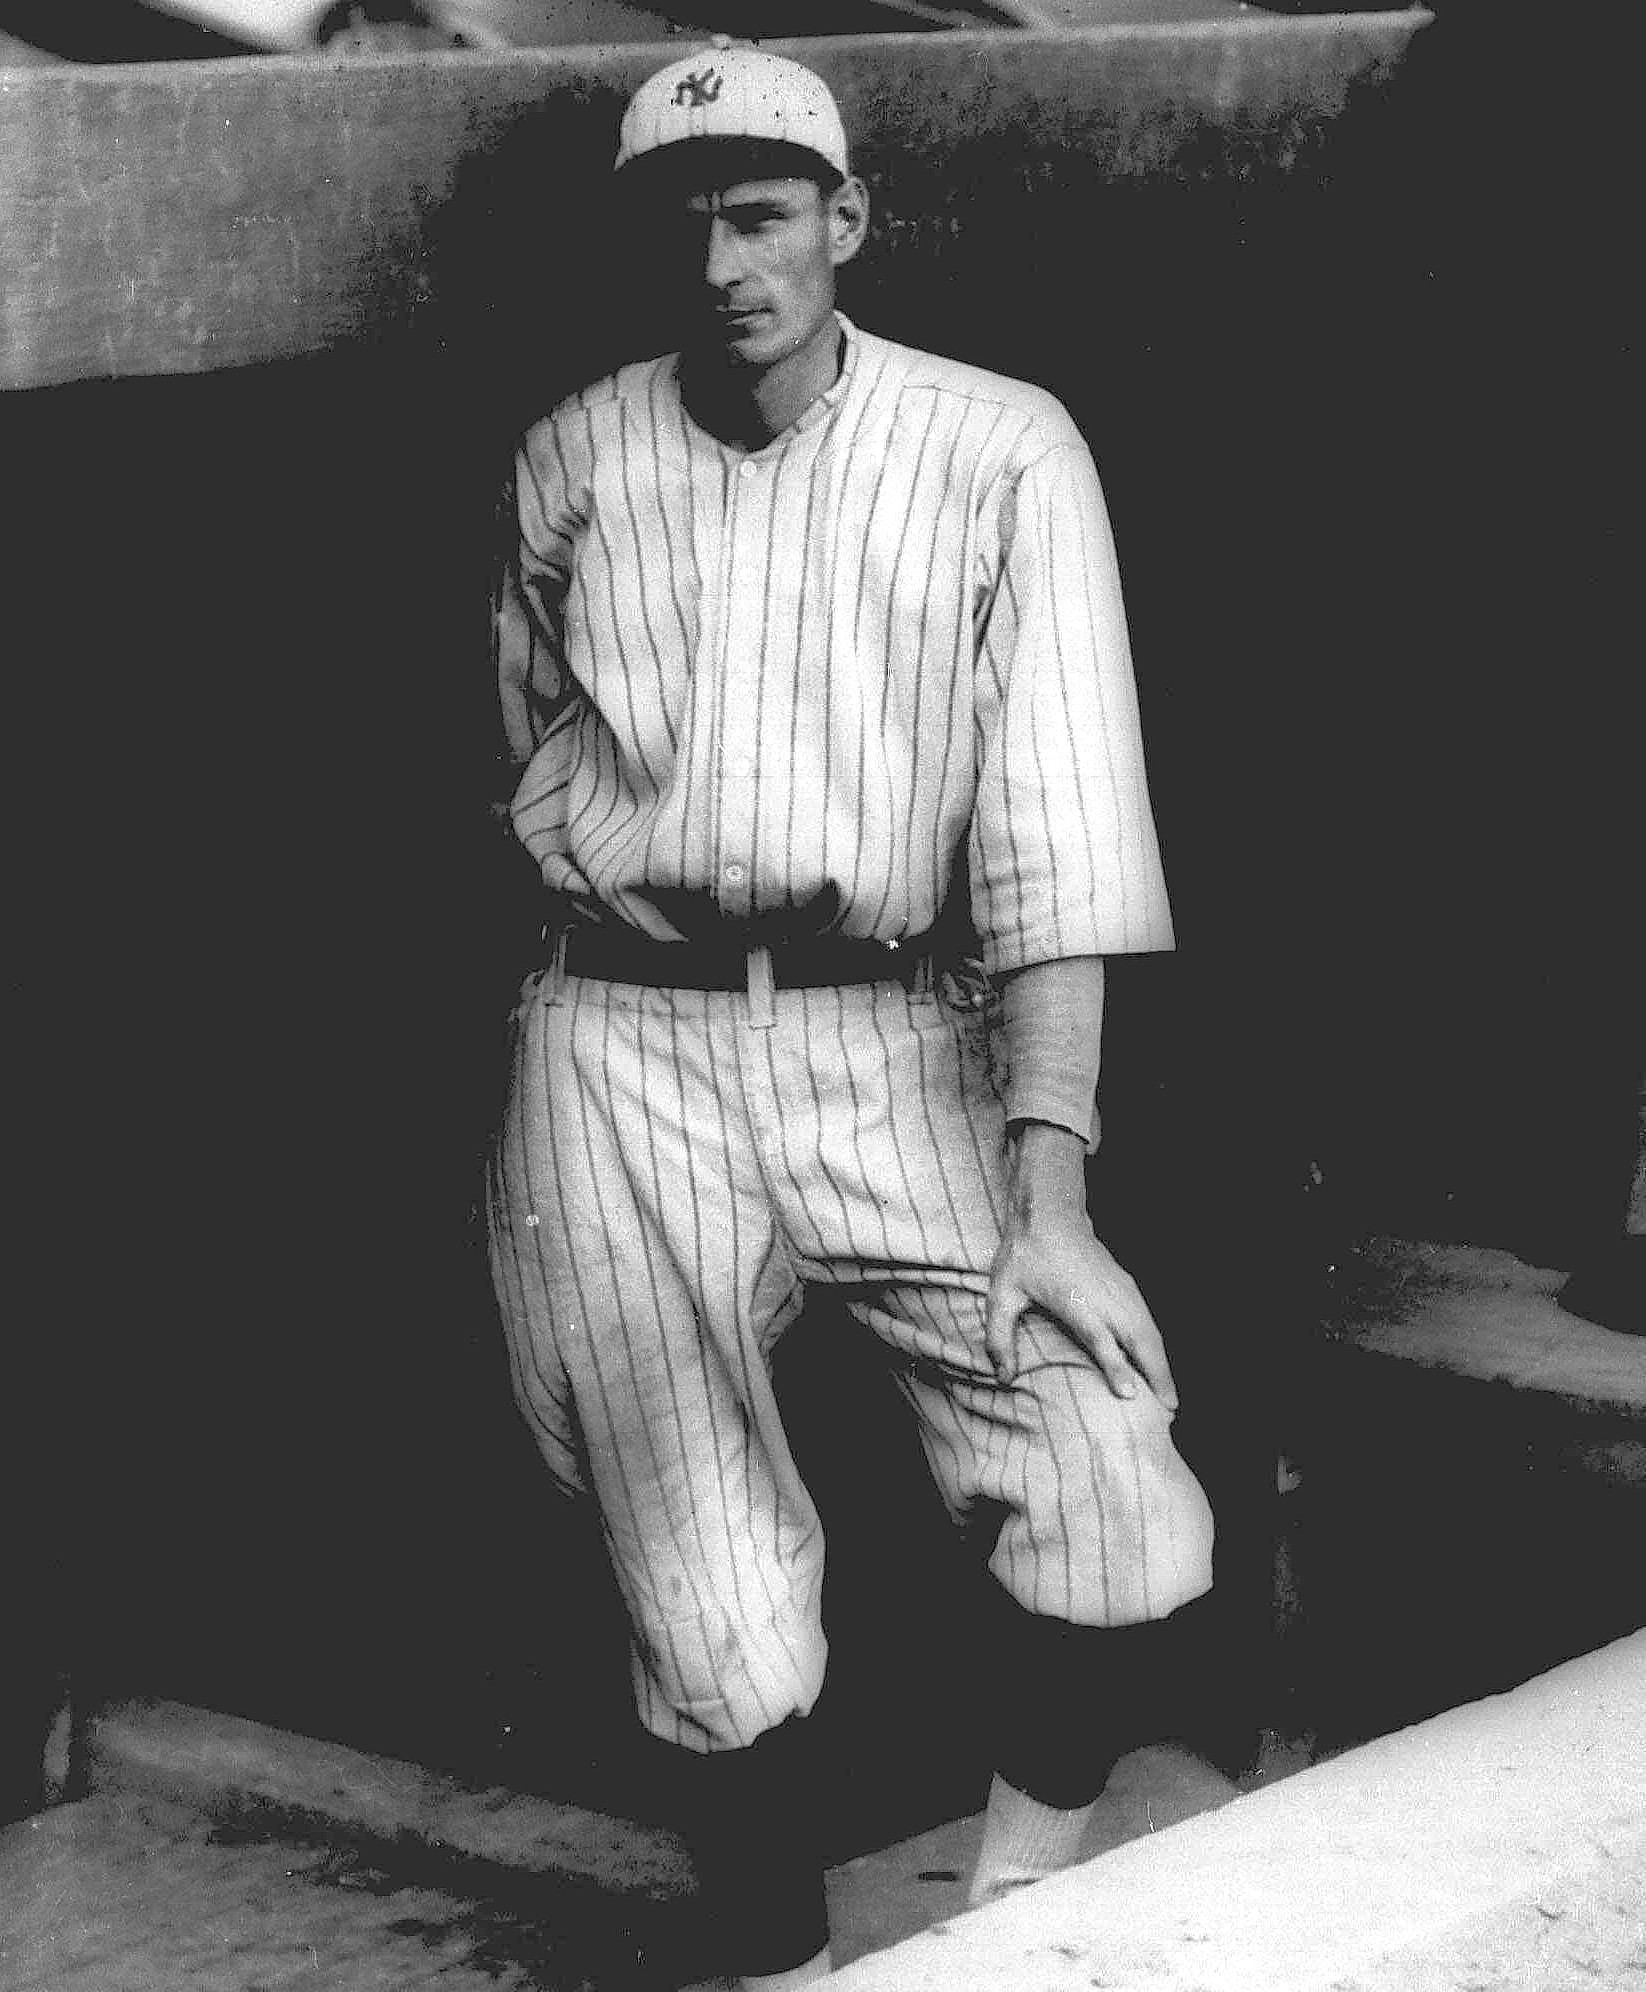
[(1355, 410)]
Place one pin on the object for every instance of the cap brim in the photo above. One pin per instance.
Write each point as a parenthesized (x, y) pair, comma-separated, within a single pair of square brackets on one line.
[(694, 164)]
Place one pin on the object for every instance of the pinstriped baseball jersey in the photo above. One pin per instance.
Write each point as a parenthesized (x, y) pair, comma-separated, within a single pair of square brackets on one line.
[(797, 686), (804, 690)]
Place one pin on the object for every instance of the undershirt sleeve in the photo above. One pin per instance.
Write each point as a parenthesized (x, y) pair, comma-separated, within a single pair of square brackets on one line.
[(1052, 1026)]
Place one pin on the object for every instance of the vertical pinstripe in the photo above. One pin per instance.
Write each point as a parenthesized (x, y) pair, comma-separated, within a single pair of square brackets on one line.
[(669, 1182), (809, 677), (820, 683)]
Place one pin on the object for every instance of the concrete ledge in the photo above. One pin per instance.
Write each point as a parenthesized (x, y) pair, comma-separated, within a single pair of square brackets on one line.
[(229, 1764), (179, 217), (1500, 1844), (1483, 1314)]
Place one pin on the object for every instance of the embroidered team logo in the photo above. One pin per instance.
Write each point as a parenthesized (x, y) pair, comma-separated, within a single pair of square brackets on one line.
[(700, 88)]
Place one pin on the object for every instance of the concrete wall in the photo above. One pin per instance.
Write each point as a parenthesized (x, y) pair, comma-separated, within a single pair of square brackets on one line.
[(181, 217), (1499, 1845)]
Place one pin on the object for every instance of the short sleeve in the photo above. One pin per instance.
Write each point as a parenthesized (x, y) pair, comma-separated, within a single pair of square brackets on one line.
[(537, 533), (1063, 851)]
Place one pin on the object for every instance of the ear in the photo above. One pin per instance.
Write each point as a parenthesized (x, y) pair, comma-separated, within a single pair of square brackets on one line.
[(848, 209)]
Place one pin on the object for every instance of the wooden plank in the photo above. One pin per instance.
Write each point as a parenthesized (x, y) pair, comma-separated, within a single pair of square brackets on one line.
[(175, 218)]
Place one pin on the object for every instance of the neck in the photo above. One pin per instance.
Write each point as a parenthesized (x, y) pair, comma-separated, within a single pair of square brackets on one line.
[(750, 407)]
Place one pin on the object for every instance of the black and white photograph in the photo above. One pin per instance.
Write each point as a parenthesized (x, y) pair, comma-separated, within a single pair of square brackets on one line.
[(829, 998)]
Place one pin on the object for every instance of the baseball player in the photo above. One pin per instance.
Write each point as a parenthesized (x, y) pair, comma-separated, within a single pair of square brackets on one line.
[(813, 656)]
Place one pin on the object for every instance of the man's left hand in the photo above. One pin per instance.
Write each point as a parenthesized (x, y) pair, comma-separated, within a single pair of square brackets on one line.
[(1051, 1263)]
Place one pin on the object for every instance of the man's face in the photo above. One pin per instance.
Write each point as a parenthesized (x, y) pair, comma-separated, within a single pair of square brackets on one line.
[(757, 264)]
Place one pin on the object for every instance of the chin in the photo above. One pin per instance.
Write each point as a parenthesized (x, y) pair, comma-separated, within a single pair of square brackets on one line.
[(748, 355), (751, 352)]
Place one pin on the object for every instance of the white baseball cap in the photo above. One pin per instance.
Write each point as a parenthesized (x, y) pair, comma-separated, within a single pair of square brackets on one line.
[(734, 92)]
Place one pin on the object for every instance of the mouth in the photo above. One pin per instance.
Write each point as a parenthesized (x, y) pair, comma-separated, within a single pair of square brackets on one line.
[(741, 316)]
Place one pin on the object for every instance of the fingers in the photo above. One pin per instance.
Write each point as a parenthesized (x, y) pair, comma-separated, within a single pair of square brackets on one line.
[(1121, 1337), (1140, 1342), (1005, 1306), (1110, 1358), (1103, 1313), (1148, 1355)]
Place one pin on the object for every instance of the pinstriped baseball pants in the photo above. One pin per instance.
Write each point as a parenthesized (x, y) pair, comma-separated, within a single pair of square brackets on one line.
[(670, 1177)]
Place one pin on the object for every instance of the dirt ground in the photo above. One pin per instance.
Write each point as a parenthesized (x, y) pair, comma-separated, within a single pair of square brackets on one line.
[(134, 1889), (147, 1895), (125, 1892), (131, 1891)]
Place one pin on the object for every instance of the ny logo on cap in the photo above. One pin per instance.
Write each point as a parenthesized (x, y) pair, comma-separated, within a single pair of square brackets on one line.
[(694, 91)]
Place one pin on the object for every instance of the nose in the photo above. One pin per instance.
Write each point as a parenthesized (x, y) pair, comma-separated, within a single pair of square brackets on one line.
[(722, 255)]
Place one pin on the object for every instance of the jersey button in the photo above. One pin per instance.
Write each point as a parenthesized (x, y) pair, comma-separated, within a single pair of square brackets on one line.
[(735, 874), (747, 469)]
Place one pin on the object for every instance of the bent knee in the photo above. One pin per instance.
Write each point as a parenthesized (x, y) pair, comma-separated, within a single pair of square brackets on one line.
[(1112, 1528), (709, 1681)]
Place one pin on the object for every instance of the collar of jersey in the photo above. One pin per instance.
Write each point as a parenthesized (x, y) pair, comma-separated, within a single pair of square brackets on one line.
[(818, 411)]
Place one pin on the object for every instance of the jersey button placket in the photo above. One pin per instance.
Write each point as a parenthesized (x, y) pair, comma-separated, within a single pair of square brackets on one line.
[(744, 597)]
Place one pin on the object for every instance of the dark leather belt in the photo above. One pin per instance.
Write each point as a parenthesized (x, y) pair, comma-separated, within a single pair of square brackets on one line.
[(618, 955)]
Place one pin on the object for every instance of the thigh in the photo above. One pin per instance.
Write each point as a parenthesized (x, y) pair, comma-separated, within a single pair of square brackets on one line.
[(1100, 1521), (1094, 1516), (881, 1132), (641, 1278)]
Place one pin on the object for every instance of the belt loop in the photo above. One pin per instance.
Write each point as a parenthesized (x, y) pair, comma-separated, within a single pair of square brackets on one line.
[(762, 1012), (556, 991)]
